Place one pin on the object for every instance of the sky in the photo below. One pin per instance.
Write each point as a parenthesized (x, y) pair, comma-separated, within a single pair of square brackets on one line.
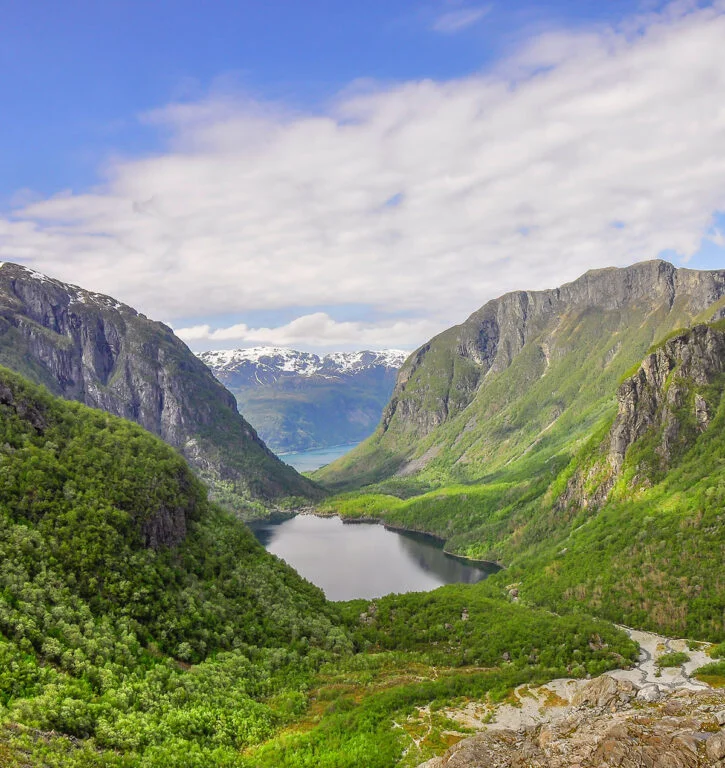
[(343, 175)]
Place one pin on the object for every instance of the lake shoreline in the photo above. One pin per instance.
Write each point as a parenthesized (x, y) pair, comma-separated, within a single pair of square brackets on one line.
[(351, 559), (401, 529)]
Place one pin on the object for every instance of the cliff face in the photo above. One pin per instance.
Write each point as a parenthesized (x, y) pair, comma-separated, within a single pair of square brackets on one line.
[(91, 348), (662, 395), (661, 409), (489, 341), (526, 370)]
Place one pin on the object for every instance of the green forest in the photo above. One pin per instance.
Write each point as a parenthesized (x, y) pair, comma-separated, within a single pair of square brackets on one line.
[(141, 625)]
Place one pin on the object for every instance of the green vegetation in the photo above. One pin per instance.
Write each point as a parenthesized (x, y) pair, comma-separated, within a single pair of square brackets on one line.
[(643, 548), (142, 626), (712, 674), (554, 392), (86, 347), (674, 659)]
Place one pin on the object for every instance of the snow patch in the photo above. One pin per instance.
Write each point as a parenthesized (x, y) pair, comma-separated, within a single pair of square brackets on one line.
[(283, 360)]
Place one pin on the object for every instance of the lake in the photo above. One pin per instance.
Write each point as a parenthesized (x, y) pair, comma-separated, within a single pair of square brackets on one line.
[(307, 461), (350, 560)]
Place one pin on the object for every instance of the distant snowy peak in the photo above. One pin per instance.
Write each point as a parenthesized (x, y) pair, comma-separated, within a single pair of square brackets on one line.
[(279, 360)]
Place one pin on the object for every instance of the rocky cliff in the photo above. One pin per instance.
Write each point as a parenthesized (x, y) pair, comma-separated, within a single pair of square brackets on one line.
[(504, 383), (668, 394), (88, 347), (662, 408)]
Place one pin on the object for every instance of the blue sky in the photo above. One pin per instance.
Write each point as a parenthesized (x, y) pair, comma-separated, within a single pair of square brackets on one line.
[(78, 73), (126, 105)]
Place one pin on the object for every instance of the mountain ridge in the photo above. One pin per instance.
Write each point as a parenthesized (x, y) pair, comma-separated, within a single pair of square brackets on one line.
[(300, 400), (89, 347), (464, 401), (284, 360)]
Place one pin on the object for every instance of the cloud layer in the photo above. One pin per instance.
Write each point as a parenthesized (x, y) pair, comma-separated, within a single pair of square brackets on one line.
[(423, 198), (314, 330)]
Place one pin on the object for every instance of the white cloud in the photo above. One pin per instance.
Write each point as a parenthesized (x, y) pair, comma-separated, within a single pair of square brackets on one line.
[(583, 150), (717, 238), (314, 331), (455, 21)]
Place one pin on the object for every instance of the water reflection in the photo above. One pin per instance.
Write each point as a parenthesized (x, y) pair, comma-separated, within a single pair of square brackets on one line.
[(451, 570), (363, 560)]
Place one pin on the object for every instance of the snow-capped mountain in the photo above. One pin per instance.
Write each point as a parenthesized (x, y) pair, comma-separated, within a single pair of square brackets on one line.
[(265, 365), (299, 400)]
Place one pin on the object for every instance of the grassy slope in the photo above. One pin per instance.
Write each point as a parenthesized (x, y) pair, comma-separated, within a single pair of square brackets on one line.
[(650, 557), (520, 417), (213, 652)]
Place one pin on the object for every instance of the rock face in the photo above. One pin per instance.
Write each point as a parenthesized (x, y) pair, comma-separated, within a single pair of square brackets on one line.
[(680, 731), (666, 402), (88, 347), (523, 367), (298, 400), (663, 388)]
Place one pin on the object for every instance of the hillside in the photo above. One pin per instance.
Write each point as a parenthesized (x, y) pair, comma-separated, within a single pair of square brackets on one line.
[(91, 348), (143, 627), (298, 400), (636, 529), (525, 377), (625, 520)]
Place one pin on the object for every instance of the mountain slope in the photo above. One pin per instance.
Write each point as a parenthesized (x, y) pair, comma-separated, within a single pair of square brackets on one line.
[(524, 377), (635, 529), (88, 347), (142, 627), (298, 400)]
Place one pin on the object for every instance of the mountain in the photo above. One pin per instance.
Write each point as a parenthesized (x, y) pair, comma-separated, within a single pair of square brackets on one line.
[(525, 376), (598, 483), (89, 347), (298, 400), (141, 626)]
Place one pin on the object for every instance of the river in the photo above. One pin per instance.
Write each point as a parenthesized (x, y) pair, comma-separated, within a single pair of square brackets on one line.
[(350, 560)]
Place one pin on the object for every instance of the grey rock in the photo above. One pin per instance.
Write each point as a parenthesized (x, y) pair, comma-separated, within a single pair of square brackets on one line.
[(715, 746), (89, 347), (649, 693)]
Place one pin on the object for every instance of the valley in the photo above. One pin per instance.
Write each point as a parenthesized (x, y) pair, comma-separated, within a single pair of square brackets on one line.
[(299, 401), (573, 436)]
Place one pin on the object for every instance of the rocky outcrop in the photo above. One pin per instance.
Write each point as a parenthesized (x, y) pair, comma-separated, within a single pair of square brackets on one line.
[(663, 394), (643, 716), (493, 336), (664, 402), (89, 347), (684, 730)]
